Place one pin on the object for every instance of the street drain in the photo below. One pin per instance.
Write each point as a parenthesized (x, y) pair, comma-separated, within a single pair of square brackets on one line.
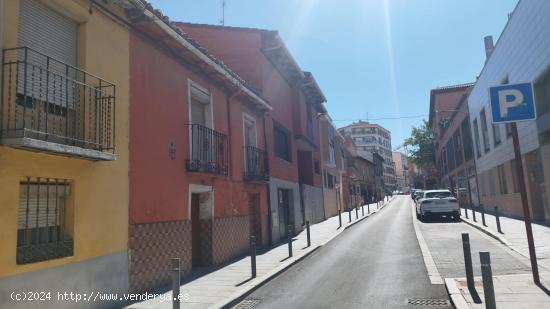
[(248, 303), (428, 302)]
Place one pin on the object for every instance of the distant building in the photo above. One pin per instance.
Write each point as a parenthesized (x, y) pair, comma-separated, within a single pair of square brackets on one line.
[(372, 138), (449, 121), (401, 170)]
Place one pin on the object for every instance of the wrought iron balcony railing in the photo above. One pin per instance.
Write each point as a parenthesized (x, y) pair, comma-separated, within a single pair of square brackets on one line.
[(47, 100), (255, 164), (208, 150)]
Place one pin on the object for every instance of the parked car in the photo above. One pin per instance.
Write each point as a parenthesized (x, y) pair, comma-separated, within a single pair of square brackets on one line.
[(437, 202), (417, 194)]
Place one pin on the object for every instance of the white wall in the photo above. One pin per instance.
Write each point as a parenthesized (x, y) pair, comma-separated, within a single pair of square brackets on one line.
[(522, 54)]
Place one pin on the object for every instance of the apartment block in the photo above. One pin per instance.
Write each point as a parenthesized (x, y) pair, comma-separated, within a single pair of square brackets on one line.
[(372, 138)]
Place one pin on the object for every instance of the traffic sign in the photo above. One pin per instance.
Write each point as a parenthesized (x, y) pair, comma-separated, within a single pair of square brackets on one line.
[(511, 103)]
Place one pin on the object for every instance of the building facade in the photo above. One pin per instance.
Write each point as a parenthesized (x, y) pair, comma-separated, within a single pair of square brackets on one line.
[(334, 166), (372, 138), (401, 170), (63, 163), (261, 58), (198, 169), (449, 120), (495, 163)]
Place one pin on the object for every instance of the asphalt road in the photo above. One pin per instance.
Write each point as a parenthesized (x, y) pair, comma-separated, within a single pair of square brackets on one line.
[(377, 263)]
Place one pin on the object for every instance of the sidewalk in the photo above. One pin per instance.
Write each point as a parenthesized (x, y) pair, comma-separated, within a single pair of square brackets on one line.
[(511, 291), (514, 235), (227, 285)]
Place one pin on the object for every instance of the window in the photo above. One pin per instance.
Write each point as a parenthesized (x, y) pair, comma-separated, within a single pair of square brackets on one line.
[(438, 194), (199, 110), (467, 140), (496, 134), (502, 180), (282, 142), (476, 138), (42, 232), (515, 183), (492, 182), (331, 149), (457, 140), (329, 180), (484, 131)]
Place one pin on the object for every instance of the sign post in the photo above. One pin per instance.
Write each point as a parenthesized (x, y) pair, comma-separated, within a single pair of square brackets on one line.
[(509, 104)]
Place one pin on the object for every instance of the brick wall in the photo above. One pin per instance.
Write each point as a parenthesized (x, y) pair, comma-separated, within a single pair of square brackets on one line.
[(230, 238)]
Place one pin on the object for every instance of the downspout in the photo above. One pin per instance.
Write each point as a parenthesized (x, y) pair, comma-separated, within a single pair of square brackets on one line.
[(228, 109), (268, 193)]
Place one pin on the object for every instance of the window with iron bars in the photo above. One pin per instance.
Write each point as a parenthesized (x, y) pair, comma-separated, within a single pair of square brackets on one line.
[(42, 229)]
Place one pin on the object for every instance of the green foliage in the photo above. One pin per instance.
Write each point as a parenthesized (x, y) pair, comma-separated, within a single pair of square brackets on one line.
[(421, 141)]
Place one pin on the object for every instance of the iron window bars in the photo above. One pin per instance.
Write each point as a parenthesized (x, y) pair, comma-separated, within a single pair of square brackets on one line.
[(42, 220), (255, 164), (208, 150), (46, 99)]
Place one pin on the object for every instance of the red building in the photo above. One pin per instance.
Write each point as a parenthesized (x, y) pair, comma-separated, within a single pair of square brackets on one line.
[(198, 168), (292, 127)]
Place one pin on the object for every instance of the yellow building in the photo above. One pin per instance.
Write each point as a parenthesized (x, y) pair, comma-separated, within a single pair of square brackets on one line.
[(63, 149)]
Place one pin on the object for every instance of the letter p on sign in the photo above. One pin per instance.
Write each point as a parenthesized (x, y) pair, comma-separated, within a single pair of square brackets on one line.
[(510, 103)]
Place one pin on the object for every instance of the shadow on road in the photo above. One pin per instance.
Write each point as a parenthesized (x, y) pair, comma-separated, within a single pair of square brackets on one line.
[(439, 219)]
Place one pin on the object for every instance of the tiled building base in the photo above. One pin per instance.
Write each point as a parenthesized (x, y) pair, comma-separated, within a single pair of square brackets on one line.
[(230, 238), (152, 246)]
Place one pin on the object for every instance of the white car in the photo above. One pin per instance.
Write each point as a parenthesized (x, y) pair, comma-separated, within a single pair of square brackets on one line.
[(437, 202)]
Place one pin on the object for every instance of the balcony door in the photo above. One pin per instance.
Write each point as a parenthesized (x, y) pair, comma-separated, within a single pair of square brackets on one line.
[(201, 137), (251, 155), (47, 90)]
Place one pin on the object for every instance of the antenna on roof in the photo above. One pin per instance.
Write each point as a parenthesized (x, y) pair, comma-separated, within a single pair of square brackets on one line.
[(222, 21)]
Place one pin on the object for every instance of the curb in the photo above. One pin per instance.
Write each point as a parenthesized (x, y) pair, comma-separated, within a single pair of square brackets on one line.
[(458, 300), (242, 293), (433, 272), (487, 231)]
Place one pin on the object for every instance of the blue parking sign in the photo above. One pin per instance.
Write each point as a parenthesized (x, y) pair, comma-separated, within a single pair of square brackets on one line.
[(510, 103)]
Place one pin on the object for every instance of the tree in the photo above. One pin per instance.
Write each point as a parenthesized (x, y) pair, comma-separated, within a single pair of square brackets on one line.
[(422, 151)]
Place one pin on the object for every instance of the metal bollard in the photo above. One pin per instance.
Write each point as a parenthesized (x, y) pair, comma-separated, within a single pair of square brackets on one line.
[(362, 210), (498, 220), (468, 260), (368, 208), (474, 214), (487, 276), (175, 283), (356, 213), (308, 234), (253, 255), (289, 240), (482, 211), (349, 213), (466, 211), (339, 218)]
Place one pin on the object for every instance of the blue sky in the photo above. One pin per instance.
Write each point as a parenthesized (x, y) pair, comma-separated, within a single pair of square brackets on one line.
[(379, 57)]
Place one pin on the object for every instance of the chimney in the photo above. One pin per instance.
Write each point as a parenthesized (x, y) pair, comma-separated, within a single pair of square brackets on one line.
[(489, 47)]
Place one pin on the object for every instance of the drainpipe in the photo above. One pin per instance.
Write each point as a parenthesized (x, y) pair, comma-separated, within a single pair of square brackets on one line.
[(268, 193), (229, 153)]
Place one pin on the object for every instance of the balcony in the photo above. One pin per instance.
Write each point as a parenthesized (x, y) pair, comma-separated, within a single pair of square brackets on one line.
[(208, 150), (255, 164), (53, 107)]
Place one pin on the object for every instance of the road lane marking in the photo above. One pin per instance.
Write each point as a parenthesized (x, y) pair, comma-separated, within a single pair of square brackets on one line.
[(433, 273)]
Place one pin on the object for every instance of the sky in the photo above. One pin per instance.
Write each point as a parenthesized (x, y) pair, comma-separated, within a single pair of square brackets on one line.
[(374, 60)]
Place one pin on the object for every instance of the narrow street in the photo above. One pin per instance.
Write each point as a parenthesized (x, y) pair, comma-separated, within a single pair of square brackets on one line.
[(375, 264)]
